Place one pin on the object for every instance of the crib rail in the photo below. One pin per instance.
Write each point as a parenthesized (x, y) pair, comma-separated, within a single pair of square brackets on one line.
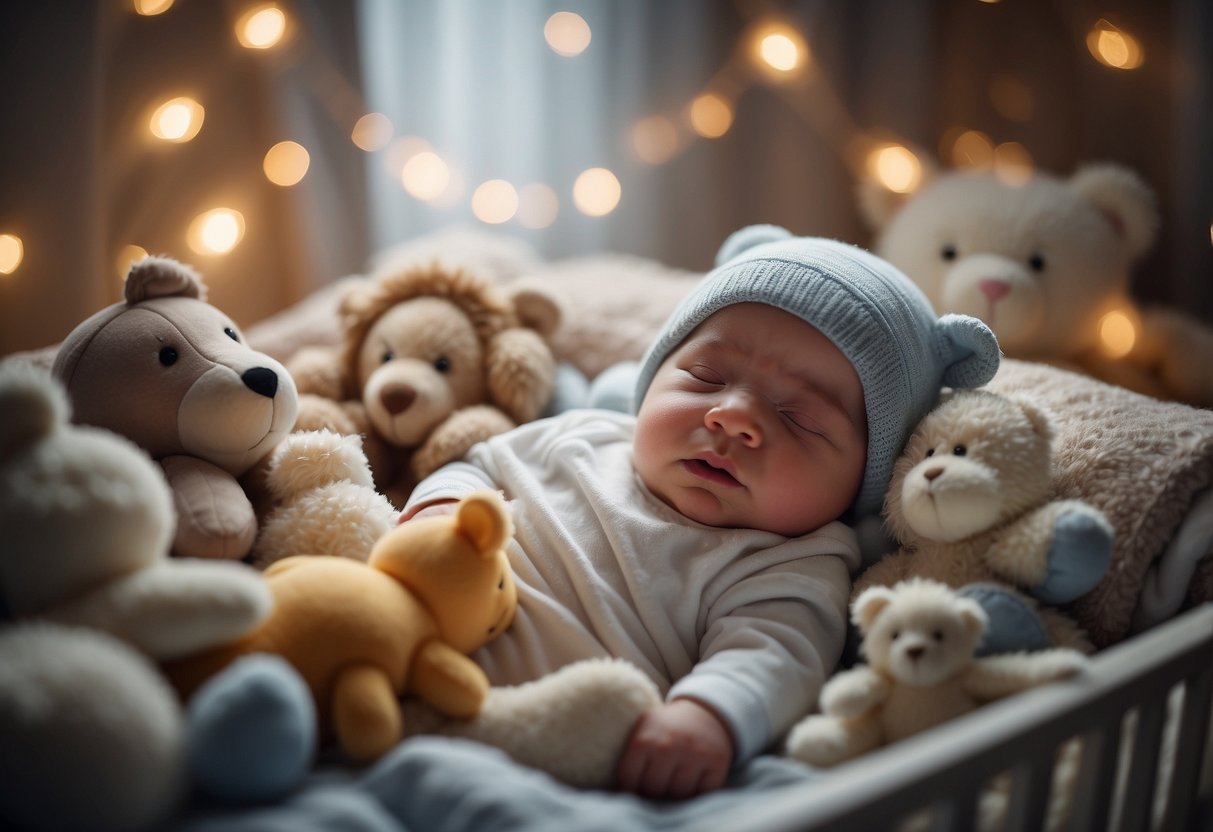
[(1143, 702)]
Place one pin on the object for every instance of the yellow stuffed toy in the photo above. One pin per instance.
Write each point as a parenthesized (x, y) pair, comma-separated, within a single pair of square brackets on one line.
[(363, 634)]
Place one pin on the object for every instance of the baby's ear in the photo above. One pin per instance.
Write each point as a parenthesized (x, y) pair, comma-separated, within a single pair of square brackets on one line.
[(967, 349), (870, 603)]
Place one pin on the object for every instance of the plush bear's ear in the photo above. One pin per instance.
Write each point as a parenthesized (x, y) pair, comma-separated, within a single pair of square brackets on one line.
[(878, 204), (972, 616), (483, 518), (536, 306), (1125, 201), (1040, 420), (159, 277), (870, 603)]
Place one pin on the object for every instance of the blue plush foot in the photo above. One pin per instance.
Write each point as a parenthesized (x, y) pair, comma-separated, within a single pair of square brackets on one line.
[(615, 387), (1013, 624), (251, 731), (1078, 558), (570, 392)]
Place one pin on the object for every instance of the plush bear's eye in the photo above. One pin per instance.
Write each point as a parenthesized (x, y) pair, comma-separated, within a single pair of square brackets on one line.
[(896, 634), (501, 584), (442, 364), (231, 333), (960, 450), (1037, 262), (168, 356), (387, 356), (948, 252), (938, 634), (930, 452)]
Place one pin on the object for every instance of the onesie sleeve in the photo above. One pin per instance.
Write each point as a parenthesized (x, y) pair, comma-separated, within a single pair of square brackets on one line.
[(770, 642), (452, 481)]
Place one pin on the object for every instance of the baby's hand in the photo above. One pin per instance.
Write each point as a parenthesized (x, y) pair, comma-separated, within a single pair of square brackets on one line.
[(435, 509), (677, 750)]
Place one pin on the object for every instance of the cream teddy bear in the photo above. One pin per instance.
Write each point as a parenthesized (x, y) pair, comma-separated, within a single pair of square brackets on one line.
[(1043, 262), (971, 503), (93, 736), (919, 638)]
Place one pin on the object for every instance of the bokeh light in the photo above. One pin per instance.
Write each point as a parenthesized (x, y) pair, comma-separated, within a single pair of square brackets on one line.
[(1117, 334), (1114, 47), (128, 256), (538, 205), (1013, 164), (495, 202), (711, 115), (425, 175), (971, 149), (778, 50), (217, 231), (286, 163), (895, 167), (372, 132), (596, 192), (150, 8), (177, 120), (1012, 98), (567, 34), (12, 252), (655, 139), (262, 27)]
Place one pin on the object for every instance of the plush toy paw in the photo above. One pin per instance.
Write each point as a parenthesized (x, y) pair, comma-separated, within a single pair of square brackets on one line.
[(1078, 556), (572, 724), (251, 731), (825, 741), (853, 692), (1014, 624)]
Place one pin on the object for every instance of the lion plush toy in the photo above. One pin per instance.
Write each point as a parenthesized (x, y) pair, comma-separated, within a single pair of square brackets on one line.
[(173, 374), (919, 638), (971, 503), (1047, 264), (433, 360)]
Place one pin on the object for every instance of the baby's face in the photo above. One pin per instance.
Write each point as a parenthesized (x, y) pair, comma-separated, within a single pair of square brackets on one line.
[(755, 421)]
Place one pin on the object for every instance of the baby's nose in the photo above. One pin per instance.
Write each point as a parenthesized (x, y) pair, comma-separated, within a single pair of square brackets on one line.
[(736, 419)]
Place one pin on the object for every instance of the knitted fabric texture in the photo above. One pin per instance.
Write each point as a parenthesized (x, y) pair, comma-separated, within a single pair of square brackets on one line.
[(902, 352)]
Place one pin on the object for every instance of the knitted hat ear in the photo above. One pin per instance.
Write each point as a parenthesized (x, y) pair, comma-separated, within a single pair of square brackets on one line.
[(746, 238), (967, 349)]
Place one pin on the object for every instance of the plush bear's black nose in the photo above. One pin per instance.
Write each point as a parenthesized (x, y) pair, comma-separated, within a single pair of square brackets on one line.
[(261, 380)]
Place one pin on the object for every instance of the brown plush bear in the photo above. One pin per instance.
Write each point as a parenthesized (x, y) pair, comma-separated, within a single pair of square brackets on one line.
[(433, 360), (174, 375)]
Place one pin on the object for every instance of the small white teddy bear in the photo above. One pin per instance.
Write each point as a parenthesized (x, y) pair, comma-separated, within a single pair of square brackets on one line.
[(919, 639)]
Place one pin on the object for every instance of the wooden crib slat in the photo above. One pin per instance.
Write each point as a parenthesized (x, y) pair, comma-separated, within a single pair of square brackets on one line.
[(1136, 808), (1030, 782), (1097, 772), (1189, 747)]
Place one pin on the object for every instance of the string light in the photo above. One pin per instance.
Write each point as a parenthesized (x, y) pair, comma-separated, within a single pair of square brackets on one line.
[(567, 34), (177, 120), (655, 139), (425, 176), (538, 206), (12, 252), (1013, 164), (372, 132), (1117, 334), (710, 115), (1114, 47), (286, 163), (495, 202), (596, 192), (151, 8), (217, 231), (895, 167), (777, 50), (128, 256), (261, 27)]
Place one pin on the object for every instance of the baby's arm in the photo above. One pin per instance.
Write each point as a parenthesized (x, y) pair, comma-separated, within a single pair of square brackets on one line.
[(677, 750)]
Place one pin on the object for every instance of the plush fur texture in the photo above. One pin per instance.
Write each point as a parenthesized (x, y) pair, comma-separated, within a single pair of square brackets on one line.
[(432, 361), (90, 728), (919, 640), (362, 634), (1042, 263), (971, 501), (173, 374), (325, 500)]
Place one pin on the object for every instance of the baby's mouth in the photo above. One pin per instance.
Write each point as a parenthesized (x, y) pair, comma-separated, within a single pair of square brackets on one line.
[(706, 471)]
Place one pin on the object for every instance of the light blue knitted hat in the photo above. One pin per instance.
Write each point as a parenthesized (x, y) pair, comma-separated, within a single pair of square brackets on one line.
[(902, 352)]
